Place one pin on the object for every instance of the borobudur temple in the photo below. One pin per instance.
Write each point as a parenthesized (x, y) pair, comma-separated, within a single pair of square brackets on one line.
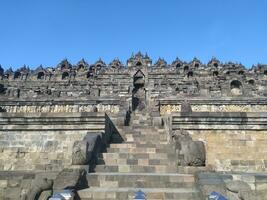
[(180, 130)]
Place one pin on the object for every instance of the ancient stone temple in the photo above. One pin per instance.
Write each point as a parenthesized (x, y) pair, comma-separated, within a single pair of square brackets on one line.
[(166, 131)]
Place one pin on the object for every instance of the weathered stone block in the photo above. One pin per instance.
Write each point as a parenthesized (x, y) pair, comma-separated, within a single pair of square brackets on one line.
[(192, 153)]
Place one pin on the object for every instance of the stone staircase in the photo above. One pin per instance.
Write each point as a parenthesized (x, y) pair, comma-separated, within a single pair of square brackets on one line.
[(145, 161)]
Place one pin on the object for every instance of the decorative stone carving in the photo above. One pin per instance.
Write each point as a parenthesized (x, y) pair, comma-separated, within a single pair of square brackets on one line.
[(83, 151), (80, 154), (65, 108), (239, 190), (168, 109), (45, 195), (81, 65), (70, 179), (139, 60), (116, 64), (186, 108), (190, 153), (161, 63), (37, 187)]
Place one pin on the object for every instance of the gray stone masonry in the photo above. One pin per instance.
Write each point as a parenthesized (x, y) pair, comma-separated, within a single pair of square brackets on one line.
[(108, 130), (144, 161)]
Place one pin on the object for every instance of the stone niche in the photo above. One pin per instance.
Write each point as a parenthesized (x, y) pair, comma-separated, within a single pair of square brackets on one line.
[(236, 88)]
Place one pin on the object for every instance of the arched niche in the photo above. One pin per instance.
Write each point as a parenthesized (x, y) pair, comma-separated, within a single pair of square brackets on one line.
[(196, 65), (215, 64), (190, 74), (65, 75), (63, 66), (17, 75), (6, 76), (98, 66), (139, 79), (241, 72), (215, 73), (80, 66), (138, 93), (2, 89), (40, 76), (50, 76), (236, 88), (186, 68), (178, 65), (138, 64), (251, 82), (89, 74)]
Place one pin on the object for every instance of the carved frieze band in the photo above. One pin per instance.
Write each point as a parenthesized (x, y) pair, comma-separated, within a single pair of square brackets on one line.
[(61, 108), (167, 109)]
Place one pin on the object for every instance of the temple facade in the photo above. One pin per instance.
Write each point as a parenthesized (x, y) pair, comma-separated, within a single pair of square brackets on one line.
[(179, 130)]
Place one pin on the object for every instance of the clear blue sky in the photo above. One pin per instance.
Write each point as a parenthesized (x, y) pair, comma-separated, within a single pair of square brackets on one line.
[(35, 32)]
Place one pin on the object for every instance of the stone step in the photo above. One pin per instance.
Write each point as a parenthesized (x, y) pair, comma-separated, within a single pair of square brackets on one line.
[(137, 145), (141, 127), (145, 132), (136, 168), (143, 123), (141, 119), (140, 150), (151, 138), (116, 138), (143, 143), (140, 123), (146, 162), (191, 169), (144, 180), (129, 193), (138, 155), (154, 140)]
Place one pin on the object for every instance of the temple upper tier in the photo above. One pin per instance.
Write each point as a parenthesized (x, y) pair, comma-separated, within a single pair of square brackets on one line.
[(116, 80)]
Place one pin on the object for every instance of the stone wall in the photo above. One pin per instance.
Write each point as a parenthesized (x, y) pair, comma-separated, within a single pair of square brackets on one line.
[(233, 141), (234, 149), (16, 184), (214, 105), (43, 141)]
